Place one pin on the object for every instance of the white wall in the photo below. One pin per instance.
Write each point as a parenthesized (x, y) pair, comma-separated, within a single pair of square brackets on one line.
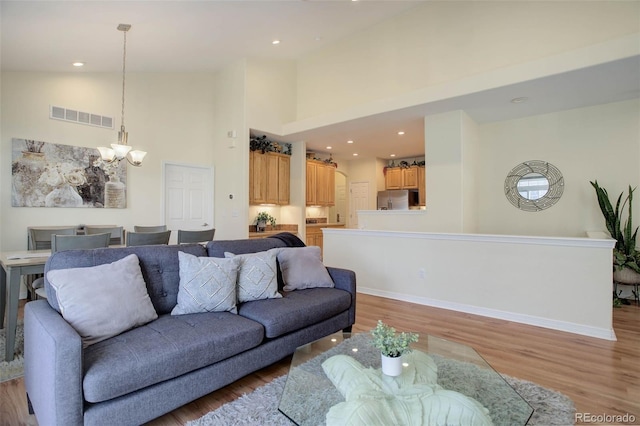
[(163, 112), (439, 42), (471, 191), (232, 163), (526, 280), (600, 142), (467, 165), (271, 94)]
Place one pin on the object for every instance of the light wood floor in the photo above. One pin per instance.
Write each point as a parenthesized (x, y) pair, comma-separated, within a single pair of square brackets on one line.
[(600, 376)]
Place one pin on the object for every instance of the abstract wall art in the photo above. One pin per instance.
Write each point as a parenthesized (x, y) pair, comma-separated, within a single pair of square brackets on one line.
[(54, 175)]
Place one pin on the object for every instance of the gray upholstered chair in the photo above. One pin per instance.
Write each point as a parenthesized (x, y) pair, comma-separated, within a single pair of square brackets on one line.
[(117, 233), (158, 228), (71, 242), (147, 238), (201, 236)]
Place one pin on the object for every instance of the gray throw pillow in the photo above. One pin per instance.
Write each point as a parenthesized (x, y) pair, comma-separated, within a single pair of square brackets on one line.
[(302, 268), (103, 301), (258, 277), (207, 284)]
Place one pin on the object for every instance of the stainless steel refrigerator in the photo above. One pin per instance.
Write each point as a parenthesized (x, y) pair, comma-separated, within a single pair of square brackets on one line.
[(394, 200)]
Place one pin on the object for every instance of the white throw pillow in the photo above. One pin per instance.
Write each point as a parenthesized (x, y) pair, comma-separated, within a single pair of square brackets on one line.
[(258, 276), (105, 300), (207, 284), (302, 268)]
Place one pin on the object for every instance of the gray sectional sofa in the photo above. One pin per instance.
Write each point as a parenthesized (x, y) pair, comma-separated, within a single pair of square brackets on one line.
[(150, 370)]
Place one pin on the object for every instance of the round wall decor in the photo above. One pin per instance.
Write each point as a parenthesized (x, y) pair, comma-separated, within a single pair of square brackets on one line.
[(534, 185)]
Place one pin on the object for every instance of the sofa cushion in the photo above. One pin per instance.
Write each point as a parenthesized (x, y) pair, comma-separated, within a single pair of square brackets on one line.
[(257, 276), (302, 268), (163, 349), (102, 301), (296, 309), (159, 265), (207, 284)]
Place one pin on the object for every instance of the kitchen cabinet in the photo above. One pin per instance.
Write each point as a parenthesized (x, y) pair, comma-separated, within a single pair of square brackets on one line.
[(403, 178), (422, 187), (321, 184), (269, 178), (410, 178), (393, 178)]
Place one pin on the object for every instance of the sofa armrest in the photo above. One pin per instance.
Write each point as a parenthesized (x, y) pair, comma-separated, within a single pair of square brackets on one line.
[(52, 365), (345, 279)]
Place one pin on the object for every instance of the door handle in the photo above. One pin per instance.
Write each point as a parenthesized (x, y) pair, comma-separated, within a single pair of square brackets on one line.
[(205, 224)]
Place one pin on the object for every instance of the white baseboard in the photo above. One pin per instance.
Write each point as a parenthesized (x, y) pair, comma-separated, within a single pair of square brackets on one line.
[(600, 333)]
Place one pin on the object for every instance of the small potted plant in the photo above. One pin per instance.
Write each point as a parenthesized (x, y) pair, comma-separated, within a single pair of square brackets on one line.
[(262, 219), (392, 346)]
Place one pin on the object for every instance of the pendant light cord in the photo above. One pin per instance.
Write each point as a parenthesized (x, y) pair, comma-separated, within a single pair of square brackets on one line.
[(124, 61)]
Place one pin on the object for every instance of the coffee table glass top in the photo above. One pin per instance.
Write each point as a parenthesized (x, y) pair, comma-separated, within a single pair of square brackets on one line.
[(309, 394)]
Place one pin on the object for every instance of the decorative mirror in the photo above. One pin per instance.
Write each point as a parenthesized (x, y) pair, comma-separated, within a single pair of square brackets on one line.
[(534, 185)]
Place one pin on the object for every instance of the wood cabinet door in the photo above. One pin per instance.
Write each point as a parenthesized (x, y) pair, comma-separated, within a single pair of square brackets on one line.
[(311, 184), (393, 178), (257, 178), (422, 186), (322, 184), (284, 177), (410, 178), (271, 174)]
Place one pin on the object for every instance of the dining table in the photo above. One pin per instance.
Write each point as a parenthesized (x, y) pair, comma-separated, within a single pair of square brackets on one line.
[(15, 264)]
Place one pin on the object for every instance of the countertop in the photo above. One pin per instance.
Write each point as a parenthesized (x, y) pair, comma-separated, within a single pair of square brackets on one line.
[(324, 225)]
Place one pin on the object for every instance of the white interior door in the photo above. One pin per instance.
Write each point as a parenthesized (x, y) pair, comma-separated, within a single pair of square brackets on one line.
[(358, 200), (188, 198)]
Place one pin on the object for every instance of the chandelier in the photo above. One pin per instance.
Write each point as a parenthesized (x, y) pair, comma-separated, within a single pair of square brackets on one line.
[(119, 151)]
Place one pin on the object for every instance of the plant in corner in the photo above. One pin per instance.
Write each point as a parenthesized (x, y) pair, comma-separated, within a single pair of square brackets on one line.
[(626, 259), (392, 345)]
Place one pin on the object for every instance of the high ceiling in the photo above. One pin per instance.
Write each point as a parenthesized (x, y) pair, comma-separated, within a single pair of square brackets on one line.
[(201, 36)]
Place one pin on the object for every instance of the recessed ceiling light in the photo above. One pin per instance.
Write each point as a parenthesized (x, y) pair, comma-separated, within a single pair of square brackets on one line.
[(401, 133), (355, 154), (78, 64), (392, 155), (329, 147), (275, 42), (519, 100), (349, 141), (318, 38)]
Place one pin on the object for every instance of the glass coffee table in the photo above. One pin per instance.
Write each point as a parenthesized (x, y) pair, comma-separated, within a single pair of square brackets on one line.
[(309, 394)]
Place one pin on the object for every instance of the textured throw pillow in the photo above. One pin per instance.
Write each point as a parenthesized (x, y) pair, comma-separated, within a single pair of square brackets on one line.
[(257, 277), (207, 284), (302, 268), (103, 301)]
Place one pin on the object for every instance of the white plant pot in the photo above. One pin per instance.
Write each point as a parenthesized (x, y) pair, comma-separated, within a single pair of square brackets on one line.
[(626, 276), (391, 366)]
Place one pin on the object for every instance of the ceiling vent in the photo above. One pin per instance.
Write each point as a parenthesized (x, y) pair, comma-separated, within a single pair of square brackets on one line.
[(80, 117)]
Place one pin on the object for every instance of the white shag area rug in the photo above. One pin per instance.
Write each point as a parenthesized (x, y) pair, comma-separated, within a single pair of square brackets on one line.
[(260, 407), (15, 368)]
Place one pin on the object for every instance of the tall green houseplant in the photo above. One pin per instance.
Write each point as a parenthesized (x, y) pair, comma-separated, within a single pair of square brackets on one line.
[(625, 254)]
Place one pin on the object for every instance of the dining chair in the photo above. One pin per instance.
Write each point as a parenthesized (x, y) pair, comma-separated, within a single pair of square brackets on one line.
[(147, 238), (159, 228), (117, 233), (201, 236), (40, 238), (71, 242)]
